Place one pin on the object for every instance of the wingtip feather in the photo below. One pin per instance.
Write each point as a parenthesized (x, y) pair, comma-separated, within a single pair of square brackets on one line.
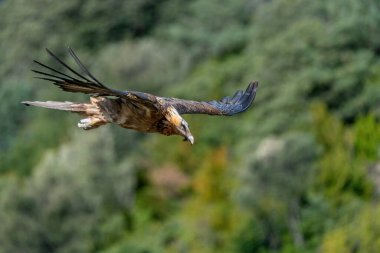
[(253, 86), (249, 95)]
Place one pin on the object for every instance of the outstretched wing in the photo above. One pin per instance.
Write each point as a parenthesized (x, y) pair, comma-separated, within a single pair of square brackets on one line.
[(231, 105), (87, 83)]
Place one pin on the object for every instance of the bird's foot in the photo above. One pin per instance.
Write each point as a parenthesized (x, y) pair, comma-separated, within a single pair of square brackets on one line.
[(90, 123), (85, 123)]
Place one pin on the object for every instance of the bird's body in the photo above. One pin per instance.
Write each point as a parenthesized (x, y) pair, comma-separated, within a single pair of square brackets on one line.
[(139, 111), (128, 115)]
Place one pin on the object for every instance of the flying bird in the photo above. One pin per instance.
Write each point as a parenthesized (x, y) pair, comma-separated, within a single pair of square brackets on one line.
[(135, 110)]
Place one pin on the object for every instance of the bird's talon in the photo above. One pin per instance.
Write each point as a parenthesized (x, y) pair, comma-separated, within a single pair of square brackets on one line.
[(85, 123)]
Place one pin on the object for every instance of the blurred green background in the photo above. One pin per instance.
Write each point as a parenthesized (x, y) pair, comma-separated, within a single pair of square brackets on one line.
[(298, 172)]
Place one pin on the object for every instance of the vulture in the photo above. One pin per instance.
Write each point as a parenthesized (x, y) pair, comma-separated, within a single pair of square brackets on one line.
[(135, 110)]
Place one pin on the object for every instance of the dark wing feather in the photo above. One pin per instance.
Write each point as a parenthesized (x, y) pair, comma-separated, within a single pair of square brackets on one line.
[(84, 69), (86, 83), (231, 105)]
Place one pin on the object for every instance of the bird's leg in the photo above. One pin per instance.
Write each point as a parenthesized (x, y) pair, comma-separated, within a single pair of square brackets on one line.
[(90, 123), (84, 123)]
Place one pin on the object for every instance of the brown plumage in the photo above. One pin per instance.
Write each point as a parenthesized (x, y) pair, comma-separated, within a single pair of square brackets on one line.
[(140, 111)]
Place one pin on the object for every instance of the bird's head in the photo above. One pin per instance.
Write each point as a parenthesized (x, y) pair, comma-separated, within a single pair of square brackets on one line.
[(180, 126)]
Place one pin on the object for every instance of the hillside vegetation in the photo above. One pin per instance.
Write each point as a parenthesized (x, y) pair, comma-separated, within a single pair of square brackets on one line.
[(298, 172)]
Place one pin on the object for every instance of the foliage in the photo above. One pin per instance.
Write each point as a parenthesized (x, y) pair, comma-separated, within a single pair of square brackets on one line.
[(340, 173), (367, 137), (359, 235), (290, 162), (63, 204)]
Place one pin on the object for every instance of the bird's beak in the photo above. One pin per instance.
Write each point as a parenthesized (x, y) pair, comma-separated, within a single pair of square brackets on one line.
[(190, 139)]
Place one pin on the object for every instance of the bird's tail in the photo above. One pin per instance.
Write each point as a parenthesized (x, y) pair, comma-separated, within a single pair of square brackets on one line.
[(93, 119), (80, 108)]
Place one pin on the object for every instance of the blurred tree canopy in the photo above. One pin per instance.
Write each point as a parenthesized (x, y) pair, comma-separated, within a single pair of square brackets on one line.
[(298, 172)]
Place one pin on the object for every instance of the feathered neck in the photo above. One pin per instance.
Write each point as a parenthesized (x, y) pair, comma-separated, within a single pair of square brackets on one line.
[(173, 116)]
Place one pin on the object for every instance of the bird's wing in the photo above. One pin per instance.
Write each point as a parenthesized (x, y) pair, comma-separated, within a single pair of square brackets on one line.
[(231, 105), (87, 83)]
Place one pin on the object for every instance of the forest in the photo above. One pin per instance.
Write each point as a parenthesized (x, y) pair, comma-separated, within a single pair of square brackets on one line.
[(298, 172)]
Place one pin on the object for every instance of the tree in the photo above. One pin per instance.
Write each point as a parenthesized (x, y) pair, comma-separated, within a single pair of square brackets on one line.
[(71, 202), (274, 183)]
